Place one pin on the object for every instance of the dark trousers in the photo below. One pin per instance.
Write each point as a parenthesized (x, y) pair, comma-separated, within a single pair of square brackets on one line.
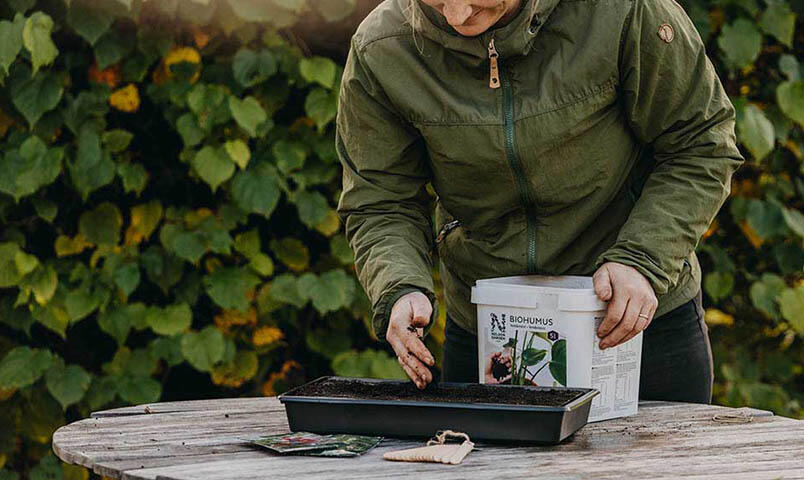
[(676, 356)]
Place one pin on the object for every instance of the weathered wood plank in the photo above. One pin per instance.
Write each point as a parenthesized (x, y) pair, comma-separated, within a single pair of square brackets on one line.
[(204, 439)]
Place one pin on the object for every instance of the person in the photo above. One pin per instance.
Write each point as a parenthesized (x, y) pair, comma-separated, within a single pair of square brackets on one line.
[(559, 137)]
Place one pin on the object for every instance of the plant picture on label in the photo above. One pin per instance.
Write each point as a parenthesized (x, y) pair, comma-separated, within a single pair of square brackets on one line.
[(520, 362)]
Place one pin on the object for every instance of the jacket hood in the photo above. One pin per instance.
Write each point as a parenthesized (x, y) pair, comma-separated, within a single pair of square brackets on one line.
[(514, 38)]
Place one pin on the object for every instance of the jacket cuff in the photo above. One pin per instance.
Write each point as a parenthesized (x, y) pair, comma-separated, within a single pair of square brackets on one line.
[(382, 313), (644, 265)]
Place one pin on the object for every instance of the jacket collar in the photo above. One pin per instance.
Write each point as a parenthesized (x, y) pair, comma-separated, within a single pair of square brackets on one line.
[(514, 38)]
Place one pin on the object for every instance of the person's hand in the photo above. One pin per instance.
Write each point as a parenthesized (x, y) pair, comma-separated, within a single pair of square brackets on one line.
[(409, 315), (504, 358), (632, 303)]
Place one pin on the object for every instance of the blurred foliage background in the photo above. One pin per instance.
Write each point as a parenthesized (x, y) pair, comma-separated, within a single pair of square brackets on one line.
[(167, 228)]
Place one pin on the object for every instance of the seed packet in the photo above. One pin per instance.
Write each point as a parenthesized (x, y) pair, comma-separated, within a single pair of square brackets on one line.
[(306, 443)]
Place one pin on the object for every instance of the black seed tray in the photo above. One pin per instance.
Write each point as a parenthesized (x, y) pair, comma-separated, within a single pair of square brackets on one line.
[(422, 418)]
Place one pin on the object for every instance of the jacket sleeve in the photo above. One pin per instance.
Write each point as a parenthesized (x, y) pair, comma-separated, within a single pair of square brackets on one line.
[(675, 103), (384, 204)]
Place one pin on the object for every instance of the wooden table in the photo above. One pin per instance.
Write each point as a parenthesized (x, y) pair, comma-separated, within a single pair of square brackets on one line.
[(199, 440)]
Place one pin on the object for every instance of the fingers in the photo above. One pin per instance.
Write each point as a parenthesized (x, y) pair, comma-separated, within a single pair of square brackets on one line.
[(422, 310), (624, 327), (602, 283), (614, 312), (642, 323), (411, 373)]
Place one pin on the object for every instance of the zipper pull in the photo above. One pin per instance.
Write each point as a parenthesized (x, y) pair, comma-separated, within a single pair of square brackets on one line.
[(494, 72)]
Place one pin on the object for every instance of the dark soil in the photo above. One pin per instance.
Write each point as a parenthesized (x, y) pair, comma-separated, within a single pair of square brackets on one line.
[(469, 393), (499, 370)]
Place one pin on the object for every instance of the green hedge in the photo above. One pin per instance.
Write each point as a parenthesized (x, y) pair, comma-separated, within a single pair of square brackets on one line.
[(167, 185)]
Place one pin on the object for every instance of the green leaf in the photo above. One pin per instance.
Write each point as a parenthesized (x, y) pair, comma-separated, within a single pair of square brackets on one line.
[(790, 97), (208, 103), (778, 20), (765, 218), (795, 220), (133, 176), (289, 155), (36, 38), (368, 363), (30, 168), (110, 49), (116, 140), (250, 67), (718, 285), (791, 303), (532, 356), (321, 106), (558, 361), (9, 274), (228, 287), (46, 209), (10, 42), (168, 349), (117, 322), (238, 151), (52, 317), (789, 66), (741, 42), (319, 70), (191, 133), (101, 225), (127, 277), (93, 168), (334, 10), (756, 132), (213, 166), (257, 189), (248, 113), (43, 283), (37, 95), (23, 366), (312, 207), (101, 392), (340, 249), (139, 389), (284, 288), (203, 349), (67, 384), (329, 292), (292, 252), (88, 21), (764, 293), (171, 320)]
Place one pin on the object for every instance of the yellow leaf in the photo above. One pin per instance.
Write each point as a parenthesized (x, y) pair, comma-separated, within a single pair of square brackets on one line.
[(330, 225), (71, 246), (126, 99), (230, 318), (266, 336), (144, 219), (179, 55), (194, 217), (5, 394), (713, 316), (711, 230), (236, 373), (751, 235), (2, 460)]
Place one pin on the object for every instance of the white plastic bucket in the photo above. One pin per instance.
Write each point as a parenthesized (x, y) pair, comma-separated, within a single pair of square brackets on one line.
[(536, 320)]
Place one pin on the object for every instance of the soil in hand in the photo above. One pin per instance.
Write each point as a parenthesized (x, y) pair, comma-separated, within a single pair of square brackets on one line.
[(469, 393)]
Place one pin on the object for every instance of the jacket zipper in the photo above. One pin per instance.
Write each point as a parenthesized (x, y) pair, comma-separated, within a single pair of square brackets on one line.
[(525, 196)]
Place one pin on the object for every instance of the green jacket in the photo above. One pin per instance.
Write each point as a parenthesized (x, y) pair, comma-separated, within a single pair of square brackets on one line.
[(606, 140)]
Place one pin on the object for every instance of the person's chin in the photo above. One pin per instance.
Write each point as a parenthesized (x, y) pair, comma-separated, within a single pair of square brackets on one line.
[(475, 29)]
